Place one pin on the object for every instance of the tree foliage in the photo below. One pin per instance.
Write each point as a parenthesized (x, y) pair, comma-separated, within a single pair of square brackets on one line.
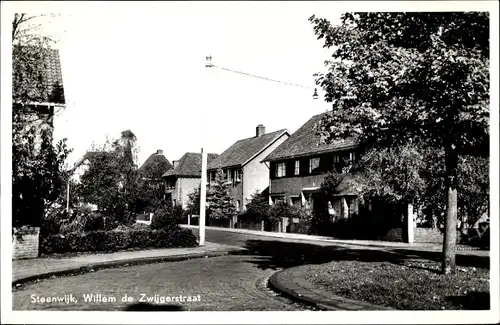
[(258, 207), (193, 205), (111, 181), (400, 77), (37, 164), (219, 201), (420, 78)]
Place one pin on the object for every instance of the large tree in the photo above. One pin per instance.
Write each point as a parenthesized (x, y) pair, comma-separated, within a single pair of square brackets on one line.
[(111, 181), (423, 78), (37, 164), (219, 200)]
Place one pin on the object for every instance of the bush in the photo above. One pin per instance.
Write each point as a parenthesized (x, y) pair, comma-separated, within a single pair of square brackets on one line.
[(167, 217), (140, 226), (111, 241), (122, 228), (94, 222), (282, 210)]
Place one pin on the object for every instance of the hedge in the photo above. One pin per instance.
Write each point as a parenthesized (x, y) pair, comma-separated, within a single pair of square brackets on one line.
[(111, 241)]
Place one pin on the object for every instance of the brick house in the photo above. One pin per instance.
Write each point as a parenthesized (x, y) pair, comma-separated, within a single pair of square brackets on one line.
[(43, 111), (41, 116), (298, 165), (241, 163), (184, 177)]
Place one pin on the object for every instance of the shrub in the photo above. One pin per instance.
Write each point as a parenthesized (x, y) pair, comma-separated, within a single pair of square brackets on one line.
[(72, 227), (258, 208), (140, 226), (111, 241), (167, 217), (122, 228), (94, 222)]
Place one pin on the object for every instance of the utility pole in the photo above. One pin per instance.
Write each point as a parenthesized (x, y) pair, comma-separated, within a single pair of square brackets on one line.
[(203, 195)]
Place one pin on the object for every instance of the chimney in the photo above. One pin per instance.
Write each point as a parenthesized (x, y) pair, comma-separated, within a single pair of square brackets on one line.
[(175, 163), (159, 152), (260, 130)]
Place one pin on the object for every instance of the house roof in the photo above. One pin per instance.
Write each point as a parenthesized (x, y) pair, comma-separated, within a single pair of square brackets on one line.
[(155, 160), (305, 142), (189, 165), (243, 150), (88, 155), (53, 80)]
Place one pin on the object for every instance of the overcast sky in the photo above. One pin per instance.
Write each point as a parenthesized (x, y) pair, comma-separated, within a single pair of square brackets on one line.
[(141, 66)]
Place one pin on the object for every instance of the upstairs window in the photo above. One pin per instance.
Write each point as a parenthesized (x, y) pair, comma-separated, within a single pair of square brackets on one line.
[(313, 165), (280, 170), (297, 167), (238, 175)]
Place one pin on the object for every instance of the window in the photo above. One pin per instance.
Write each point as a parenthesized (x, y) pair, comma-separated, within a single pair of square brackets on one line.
[(237, 205), (296, 201), (278, 199), (228, 176), (280, 170), (336, 158), (352, 157), (238, 175), (353, 206), (313, 164), (297, 167)]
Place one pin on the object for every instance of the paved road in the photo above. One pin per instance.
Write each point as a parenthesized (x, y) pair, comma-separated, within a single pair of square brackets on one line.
[(226, 283), (223, 283)]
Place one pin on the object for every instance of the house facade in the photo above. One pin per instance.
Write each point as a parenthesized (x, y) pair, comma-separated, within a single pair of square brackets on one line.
[(184, 178), (297, 168), (241, 164)]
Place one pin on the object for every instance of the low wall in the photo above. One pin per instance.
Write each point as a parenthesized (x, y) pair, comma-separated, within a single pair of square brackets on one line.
[(429, 235), (250, 225), (420, 235), (25, 243), (395, 235)]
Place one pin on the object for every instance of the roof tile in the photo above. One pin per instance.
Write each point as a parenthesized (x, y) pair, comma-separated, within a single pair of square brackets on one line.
[(189, 165), (305, 142), (244, 149)]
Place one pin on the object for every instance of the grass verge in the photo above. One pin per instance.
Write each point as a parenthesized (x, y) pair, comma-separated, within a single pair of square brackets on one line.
[(411, 285)]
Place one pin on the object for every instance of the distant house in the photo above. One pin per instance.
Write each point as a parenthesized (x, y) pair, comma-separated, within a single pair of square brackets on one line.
[(299, 164), (241, 163), (155, 166), (80, 167), (184, 177)]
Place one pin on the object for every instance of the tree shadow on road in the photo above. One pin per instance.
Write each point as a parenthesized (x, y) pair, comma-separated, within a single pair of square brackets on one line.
[(151, 307), (280, 254)]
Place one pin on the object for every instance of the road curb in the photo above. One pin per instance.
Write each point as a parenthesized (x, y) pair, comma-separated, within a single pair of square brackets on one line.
[(283, 285), (127, 262)]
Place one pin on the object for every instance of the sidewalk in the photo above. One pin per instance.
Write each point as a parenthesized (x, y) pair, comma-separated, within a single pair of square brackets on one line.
[(349, 242), (32, 269), (292, 283)]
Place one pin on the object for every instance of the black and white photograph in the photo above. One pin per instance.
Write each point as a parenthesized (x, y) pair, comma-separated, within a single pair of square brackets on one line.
[(206, 162)]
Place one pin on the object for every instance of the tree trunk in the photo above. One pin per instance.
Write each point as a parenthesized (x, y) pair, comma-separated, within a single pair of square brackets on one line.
[(450, 224)]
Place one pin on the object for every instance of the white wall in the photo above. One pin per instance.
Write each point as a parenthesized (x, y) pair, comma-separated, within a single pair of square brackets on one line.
[(256, 174)]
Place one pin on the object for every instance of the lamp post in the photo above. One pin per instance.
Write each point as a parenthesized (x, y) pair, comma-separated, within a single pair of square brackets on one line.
[(203, 189), (203, 196)]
